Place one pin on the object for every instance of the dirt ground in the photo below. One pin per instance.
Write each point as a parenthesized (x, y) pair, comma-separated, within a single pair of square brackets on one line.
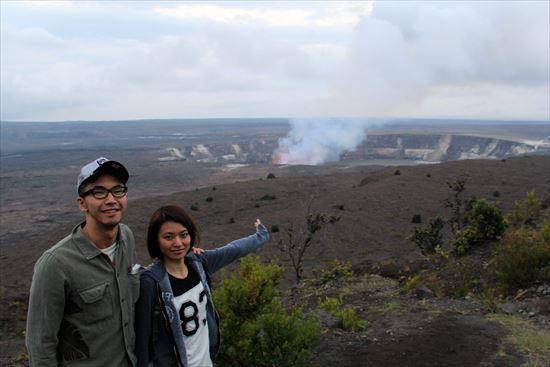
[(404, 330), (447, 340)]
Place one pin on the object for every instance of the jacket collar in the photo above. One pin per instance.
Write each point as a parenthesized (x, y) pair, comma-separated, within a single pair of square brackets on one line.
[(85, 245), (157, 270)]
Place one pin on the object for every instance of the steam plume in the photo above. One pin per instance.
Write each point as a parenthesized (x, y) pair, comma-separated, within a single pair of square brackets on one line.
[(314, 141)]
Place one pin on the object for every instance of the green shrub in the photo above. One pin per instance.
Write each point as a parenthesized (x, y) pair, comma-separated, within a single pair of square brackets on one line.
[(280, 339), (525, 212), (397, 172), (231, 220), (337, 270), (350, 319), (464, 240), (428, 239), (486, 220), (274, 228), (209, 199), (255, 328), (331, 305), (524, 254), (417, 218), (268, 197), (194, 208), (496, 194)]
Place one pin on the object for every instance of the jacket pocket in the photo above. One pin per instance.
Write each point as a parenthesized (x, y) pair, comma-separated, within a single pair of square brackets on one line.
[(97, 302)]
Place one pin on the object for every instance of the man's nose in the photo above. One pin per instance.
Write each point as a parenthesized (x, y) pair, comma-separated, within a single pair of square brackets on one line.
[(110, 197)]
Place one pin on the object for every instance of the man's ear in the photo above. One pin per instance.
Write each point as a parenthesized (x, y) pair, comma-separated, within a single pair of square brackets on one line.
[(81, 203)]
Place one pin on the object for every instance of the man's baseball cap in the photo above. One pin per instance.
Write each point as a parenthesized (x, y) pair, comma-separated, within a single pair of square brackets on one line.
[(98, 167)]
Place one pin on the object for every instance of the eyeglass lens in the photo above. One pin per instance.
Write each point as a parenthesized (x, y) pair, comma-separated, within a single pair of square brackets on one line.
[(100, 192)]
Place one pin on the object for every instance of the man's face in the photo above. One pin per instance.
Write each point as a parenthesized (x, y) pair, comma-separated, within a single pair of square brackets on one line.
[(107, 212)]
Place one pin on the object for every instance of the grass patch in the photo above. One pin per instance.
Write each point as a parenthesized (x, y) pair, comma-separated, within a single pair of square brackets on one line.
[(534, 343)]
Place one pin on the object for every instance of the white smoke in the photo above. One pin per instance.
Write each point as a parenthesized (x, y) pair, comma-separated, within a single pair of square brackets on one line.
[(314, 141)]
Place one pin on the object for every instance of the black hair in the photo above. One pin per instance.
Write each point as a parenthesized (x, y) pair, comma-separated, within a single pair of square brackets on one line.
[(169, 213)]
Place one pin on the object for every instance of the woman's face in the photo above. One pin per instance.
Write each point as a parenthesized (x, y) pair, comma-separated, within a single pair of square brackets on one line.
[(174, 241)]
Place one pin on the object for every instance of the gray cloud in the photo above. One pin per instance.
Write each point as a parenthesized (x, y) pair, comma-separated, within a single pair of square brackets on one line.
[(98, 60), (407, 53)]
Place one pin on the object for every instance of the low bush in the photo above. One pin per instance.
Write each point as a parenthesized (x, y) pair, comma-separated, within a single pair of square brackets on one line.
[(278, 338), (209, 199), (338, 269), (523, 256), (526, 212), (486, 220), (256, 329), (350, 319), (274, 228), (464, 240), (417, 218), (428, 239), (268, 197)]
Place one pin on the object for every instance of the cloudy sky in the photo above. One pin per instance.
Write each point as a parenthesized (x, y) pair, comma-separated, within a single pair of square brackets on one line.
[(109, 60)]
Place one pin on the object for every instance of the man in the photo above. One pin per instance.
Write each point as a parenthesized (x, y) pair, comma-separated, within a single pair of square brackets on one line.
[(81, 306)]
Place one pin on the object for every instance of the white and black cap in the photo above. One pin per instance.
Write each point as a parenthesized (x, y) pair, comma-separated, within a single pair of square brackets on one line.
[(98, 167)]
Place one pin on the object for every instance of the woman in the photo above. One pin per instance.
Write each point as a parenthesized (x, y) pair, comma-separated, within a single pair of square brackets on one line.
[(176, 323)]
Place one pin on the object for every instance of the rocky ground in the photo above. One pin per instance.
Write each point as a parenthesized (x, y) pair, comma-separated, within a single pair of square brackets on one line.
[(417, 329)]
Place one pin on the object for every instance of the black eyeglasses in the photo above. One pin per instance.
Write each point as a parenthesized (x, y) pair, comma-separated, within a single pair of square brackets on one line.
[(100, 192)]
